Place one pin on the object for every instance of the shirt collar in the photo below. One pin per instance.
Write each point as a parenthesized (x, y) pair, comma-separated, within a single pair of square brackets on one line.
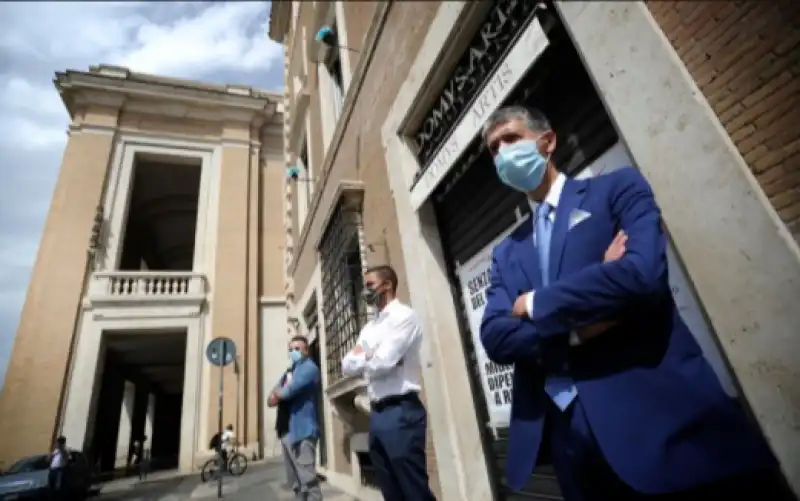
[(553, 195)]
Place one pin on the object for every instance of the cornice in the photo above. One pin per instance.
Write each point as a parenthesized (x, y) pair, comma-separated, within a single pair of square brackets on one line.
[(351, 195), (166, 98), (189, 111), (98, 99), (279, 20)]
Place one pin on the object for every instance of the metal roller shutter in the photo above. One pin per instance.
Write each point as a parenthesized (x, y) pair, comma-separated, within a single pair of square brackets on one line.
[(473, 207)]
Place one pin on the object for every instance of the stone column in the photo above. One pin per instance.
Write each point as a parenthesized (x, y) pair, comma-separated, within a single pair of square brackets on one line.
[(125, 418), (231, 274)]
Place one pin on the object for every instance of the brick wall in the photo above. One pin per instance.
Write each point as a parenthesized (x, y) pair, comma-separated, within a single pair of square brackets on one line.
[(745, 57)]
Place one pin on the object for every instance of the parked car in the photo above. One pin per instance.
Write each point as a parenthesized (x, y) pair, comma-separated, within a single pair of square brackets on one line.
[(26, 480)]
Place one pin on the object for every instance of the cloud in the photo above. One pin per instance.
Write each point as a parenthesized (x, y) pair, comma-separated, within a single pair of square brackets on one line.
[(218, 42)]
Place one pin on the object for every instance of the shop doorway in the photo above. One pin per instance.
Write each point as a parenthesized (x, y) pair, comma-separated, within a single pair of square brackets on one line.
[(475, 210)]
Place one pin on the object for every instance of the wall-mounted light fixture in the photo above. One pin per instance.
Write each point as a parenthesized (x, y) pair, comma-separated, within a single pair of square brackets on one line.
[(328, 36)]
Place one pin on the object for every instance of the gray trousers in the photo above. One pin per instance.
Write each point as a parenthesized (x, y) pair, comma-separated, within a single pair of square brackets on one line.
[(303, 457), (286, 452)]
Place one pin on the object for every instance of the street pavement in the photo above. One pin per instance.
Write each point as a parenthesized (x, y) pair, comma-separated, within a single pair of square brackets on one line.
[(261, 482)]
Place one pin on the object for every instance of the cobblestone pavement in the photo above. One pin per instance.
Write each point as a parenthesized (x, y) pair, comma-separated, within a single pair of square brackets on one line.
[(261, 482)]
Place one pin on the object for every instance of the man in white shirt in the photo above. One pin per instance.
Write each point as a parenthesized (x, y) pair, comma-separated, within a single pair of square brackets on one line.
[(387, 354)]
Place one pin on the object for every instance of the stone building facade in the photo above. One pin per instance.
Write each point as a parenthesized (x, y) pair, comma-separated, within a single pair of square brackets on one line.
[(164, 232), (384, 166)]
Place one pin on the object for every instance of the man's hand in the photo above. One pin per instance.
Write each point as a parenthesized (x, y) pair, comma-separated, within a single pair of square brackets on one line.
[(617, 248), (357, 350), (273, 399), (590, 331), (520, 309)]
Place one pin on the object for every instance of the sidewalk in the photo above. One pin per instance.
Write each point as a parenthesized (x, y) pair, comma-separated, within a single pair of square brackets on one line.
[(261, 482)]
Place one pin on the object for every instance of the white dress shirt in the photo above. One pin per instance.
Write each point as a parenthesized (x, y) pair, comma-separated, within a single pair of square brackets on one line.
[(391, 359), (57, 459), (227, 438), (552, 198)]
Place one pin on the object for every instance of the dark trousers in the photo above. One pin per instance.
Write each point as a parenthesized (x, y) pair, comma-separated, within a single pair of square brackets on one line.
[(223, 452), (584, 474), (142, 468), (55, 481), (397, 429)]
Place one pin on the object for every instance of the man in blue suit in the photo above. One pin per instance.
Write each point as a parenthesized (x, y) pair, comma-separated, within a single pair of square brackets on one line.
[(299, 391), (608, 381)]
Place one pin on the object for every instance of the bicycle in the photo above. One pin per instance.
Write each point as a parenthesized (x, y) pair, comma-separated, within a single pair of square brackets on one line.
[(237, 464)]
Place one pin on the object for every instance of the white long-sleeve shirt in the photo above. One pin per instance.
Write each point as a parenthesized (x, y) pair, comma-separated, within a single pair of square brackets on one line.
[(391, 359)]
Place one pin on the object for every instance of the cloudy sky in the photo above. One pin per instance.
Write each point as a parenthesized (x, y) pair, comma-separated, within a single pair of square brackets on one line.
[(210, 41)]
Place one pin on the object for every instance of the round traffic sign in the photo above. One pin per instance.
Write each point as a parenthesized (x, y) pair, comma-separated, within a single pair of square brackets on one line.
[(221, 351)]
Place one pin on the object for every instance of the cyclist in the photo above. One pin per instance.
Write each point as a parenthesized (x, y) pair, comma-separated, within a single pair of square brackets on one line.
[(228, 440), (222, 444)]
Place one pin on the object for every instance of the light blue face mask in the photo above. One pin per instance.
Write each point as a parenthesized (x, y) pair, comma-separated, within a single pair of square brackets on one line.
[(296, 356), (520, 165)]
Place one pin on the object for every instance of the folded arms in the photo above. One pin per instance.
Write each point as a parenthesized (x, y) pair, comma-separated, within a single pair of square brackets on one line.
[(596, 293)]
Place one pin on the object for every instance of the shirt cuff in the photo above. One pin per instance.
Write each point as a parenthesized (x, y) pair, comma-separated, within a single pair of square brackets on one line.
[(529, 303), (574, 340)]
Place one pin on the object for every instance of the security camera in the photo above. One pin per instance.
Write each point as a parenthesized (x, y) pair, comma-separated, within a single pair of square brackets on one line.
[(293, 173), (326, 35)]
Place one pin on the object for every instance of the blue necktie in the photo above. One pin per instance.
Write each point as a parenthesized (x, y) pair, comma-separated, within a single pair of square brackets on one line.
[(560, 388)]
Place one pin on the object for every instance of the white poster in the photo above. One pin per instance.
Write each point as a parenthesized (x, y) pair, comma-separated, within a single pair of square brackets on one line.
[(474, 280)]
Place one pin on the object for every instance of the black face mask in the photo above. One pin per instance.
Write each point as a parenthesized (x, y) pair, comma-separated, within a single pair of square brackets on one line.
[(371, 295)]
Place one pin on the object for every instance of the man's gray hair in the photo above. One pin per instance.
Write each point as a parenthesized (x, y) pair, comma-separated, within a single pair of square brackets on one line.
[(533, 119)]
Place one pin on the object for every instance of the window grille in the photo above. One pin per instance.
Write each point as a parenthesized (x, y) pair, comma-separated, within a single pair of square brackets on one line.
[(343, 310)]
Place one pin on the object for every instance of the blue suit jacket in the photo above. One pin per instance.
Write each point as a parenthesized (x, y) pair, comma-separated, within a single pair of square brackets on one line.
[(655, 406), (301, 395)]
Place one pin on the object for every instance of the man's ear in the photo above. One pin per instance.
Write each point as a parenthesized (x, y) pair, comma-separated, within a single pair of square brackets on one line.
[(551, 142)]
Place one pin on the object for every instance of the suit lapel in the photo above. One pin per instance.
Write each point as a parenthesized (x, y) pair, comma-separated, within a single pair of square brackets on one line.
[(526, 255), (571, 198)]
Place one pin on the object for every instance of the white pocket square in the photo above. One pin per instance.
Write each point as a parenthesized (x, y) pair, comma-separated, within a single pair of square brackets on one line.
[(578, 216)]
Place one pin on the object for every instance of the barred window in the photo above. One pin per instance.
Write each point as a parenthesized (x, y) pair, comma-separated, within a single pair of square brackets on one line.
[(343, 311)]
